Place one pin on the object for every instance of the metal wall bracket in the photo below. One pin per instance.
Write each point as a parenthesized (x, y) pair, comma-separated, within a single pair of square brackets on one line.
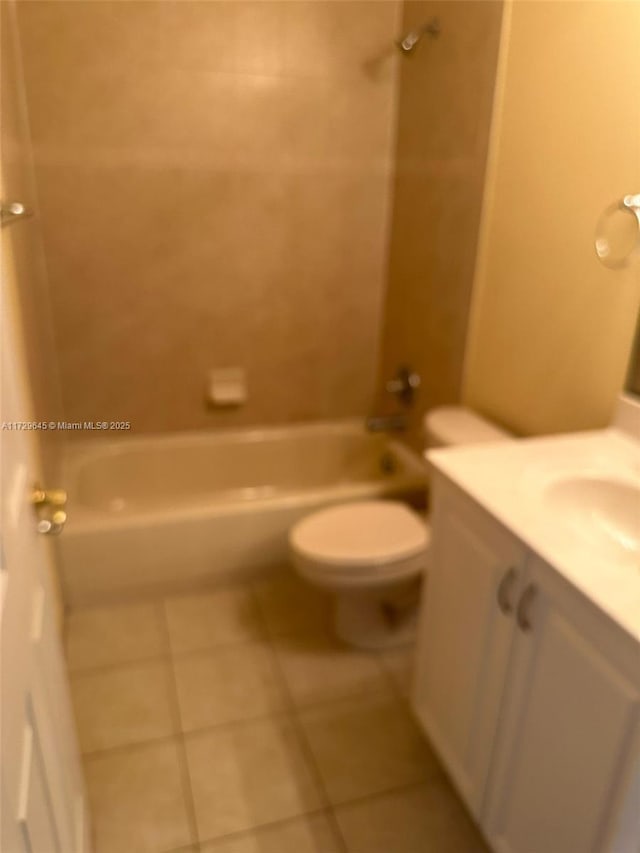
[(13, 211), (617, 254)]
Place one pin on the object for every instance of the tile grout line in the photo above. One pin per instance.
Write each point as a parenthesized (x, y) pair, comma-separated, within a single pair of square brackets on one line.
[(392, 688), (396, 789), (156, 601), (187, 788), (291, 712), (165, 656), (393, 681), (287, 713), (186, 848), (300, 735), (127, 598), (252, 830), (308, 752), (322, 810), (292, 707), (75, 674), (388, 677), (331, 810), (325, 810), (122, 749)]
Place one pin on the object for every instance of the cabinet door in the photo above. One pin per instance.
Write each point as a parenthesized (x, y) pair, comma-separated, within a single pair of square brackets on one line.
[(565, 756), (465, 636)]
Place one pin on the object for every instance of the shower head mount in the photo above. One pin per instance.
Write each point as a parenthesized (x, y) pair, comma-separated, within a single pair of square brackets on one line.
[(411, 39)]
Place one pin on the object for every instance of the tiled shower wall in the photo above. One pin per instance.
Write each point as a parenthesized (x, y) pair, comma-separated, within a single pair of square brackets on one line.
[(23, 260), (444, 114), (214, 180)]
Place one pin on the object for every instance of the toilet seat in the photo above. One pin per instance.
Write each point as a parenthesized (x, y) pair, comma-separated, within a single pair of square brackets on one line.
[(360, 544)]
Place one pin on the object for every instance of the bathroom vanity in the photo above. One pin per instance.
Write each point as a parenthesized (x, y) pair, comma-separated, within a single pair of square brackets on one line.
[(528, 670)]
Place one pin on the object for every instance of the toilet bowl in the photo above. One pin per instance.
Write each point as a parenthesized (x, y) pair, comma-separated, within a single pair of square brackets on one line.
[(372, 554)]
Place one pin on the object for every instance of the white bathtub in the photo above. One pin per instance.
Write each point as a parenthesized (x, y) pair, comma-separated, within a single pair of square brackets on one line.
[(159, 514)]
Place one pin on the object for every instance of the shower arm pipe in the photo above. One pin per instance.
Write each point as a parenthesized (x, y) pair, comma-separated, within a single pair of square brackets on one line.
[(410, 40)]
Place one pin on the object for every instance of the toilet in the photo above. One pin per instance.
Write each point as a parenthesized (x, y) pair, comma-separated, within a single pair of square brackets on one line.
[(372, 554)]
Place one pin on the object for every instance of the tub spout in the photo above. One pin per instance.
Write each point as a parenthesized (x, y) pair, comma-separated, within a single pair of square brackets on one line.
[(386, 423)]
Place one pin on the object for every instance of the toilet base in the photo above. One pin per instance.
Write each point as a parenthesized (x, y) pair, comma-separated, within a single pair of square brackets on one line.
[(377, 620)]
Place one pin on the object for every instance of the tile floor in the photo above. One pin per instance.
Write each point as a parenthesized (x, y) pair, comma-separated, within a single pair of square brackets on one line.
[(231, 722)]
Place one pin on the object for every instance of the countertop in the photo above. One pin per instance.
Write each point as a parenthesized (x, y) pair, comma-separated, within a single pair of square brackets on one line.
[(511, 480)]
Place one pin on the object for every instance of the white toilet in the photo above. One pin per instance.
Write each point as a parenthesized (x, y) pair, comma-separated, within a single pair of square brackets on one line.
[(372, 554)]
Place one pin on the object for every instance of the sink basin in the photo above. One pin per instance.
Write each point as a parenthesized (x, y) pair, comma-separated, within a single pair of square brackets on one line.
[(572, 499), (603, 512)]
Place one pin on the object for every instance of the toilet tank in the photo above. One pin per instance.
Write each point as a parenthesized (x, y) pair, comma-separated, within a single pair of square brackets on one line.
[(450, 426)]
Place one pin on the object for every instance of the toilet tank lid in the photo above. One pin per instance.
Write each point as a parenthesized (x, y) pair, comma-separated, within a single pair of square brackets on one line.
[(453, 425)]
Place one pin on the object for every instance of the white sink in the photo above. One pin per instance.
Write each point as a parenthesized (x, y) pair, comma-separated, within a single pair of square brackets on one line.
[(604, 513), (573, 499)]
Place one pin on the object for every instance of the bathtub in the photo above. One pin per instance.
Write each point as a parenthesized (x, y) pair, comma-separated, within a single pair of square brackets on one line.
[(153, 515)]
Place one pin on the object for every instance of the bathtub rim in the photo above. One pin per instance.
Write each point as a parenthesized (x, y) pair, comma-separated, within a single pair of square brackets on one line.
[(80, 448), (87, 519)]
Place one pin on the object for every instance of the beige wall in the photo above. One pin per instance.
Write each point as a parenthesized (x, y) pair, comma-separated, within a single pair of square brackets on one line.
[(445, 97), (551, 327), (23, 242), (214, 180)]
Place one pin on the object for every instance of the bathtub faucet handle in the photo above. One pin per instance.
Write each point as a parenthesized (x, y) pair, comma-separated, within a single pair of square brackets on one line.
[(48, 497), (52, 526), (48, 505), (404, 385)]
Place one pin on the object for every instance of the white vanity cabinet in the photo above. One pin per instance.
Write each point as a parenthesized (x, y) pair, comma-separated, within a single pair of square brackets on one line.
[(527, 691), (464, 638)]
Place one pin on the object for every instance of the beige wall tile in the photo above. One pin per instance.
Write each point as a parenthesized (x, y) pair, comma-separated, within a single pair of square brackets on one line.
[(323, 39), (444, 110), (27, 281), (215, 188)]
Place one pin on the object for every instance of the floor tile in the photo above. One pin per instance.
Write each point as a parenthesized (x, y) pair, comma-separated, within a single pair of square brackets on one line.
[(207, 619), (126, 705), (399, 664), (137, 801), (317, 668), (227, 684), (249, 774), (101, 636), (425, 819), (312, 834), (290, 605), (366, 746)]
